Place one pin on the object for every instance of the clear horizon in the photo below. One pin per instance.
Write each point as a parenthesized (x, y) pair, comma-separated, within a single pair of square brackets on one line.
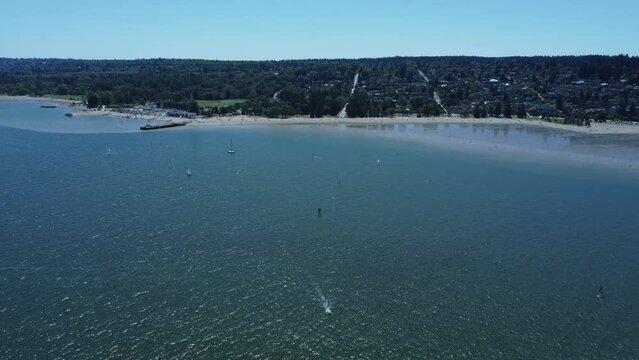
[(296, 30), (316, 58)]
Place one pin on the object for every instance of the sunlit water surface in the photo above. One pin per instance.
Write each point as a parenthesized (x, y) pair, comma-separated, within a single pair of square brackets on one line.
[(461, 242)]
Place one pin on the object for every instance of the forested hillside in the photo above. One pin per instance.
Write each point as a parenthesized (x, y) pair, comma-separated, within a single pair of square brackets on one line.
[(577, 89)]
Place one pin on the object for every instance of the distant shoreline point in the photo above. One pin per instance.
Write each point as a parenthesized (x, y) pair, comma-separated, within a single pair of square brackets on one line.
[(36, 98)]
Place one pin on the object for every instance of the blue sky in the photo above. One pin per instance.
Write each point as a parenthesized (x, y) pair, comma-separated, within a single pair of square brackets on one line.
[(289, 29)]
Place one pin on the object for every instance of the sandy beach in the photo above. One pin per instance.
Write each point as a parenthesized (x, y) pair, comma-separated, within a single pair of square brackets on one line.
[(595, 128), (236, 120)]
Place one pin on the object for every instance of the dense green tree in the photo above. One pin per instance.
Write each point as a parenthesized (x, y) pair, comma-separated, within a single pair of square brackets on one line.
[(317, 100), (62, 90), (358, 104), (281, 110), (508, 111), (437, 110), (497, 109), (521, 111), (334, 104), (426, 110), (292, 94), (476, 111), (375, 109), (632, 113), (559, 103), (93, 100), (193, 107), (417, 102), (106, 98)]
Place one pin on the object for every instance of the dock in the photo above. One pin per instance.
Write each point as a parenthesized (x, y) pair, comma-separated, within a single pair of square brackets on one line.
[(163, 126)]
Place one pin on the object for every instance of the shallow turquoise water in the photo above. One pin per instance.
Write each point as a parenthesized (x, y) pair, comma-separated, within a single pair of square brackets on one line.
[(435, 253)]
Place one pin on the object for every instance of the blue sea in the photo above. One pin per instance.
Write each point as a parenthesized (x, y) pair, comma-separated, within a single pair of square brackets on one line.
[(434, 241)]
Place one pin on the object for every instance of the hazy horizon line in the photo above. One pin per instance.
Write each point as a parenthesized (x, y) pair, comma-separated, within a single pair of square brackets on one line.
[(326, 58)]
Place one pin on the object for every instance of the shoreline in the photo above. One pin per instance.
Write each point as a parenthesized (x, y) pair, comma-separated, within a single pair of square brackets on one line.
[(239, 120), (35, 98), (444, 142), (596, 128)]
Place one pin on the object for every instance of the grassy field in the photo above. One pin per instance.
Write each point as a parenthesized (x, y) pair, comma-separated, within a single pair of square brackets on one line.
[(66, 97), (219, 103)]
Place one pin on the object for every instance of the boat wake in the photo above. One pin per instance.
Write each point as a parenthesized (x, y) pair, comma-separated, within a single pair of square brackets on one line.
[(326, 303), (341, 176), (328, 306)]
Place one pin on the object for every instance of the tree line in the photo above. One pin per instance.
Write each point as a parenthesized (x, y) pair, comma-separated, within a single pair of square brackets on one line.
[(591, 87)]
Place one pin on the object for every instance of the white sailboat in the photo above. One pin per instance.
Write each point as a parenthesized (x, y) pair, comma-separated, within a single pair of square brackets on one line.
[(231, 151)]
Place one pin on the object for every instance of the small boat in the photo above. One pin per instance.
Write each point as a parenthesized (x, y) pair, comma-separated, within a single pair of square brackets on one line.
[(328, 306), (188, 172), (231, 151), (48, 106), (108, 152)]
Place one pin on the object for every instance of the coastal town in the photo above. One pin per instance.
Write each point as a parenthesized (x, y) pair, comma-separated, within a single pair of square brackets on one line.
[(563, 90)]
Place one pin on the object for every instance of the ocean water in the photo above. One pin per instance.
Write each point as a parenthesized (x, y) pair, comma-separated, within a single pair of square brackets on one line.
[(461, 242)]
